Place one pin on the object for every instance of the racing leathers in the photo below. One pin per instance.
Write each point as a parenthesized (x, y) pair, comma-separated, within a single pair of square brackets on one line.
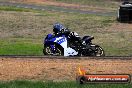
[(71, 36)]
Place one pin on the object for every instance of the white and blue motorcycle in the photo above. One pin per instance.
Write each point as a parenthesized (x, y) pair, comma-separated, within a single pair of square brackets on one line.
[(62, 46)]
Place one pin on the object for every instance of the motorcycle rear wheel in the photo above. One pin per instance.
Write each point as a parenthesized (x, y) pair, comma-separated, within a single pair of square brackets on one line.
[(99, 51)]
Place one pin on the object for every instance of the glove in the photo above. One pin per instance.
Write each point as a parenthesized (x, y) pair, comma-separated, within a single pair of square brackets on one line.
[(74, 34)]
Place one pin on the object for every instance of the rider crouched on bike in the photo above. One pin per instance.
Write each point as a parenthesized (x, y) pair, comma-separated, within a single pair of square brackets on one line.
[(59, 29)]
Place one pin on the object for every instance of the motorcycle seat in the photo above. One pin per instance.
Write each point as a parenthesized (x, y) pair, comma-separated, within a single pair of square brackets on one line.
[(87, 38)]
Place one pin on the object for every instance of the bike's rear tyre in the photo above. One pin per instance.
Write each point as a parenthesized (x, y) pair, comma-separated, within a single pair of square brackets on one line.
[(99, 51)]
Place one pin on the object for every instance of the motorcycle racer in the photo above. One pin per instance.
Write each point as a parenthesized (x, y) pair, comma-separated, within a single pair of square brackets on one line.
[(63, 42), (59, 29)]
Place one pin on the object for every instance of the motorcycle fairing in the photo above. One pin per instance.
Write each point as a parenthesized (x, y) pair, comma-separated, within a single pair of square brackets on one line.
[(62, 41)]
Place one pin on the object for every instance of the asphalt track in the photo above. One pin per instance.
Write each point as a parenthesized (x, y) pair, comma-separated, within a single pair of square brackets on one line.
[(62, 57), (56, 8)]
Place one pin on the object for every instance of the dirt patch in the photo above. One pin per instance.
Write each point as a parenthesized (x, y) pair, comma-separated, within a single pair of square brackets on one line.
[(59, 69), (120, 27)]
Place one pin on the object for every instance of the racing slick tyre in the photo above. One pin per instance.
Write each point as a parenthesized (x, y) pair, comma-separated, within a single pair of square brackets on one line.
[(99, 51), (48, 51)]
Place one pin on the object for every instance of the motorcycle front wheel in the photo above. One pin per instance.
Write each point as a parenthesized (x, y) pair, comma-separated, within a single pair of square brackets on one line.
[(48, 51)]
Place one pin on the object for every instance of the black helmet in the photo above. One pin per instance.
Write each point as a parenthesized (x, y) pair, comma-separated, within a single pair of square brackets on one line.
[(57, 28)]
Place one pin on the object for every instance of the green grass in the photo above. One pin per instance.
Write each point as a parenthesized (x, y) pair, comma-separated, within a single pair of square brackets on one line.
[(12, 8), (23, 47), (22, 33), (94, 3), (18, 9), (117, 43), (17, 26), (31, 84)]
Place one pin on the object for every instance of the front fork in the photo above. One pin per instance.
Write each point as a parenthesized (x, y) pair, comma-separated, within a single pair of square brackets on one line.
[(52, 48)]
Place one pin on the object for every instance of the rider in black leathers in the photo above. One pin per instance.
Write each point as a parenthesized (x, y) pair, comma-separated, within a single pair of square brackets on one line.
[(59, 29)]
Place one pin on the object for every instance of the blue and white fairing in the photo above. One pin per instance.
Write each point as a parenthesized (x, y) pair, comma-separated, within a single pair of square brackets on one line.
[(62, 41)]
